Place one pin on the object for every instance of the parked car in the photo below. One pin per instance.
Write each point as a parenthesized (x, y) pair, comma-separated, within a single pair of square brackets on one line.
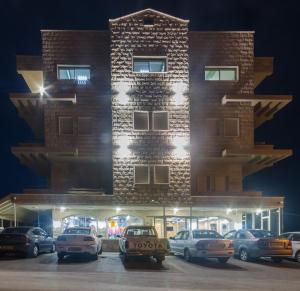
[(294, 237), (143, 241), (201, 244), (79, 240), (26, 240), (256, 243)]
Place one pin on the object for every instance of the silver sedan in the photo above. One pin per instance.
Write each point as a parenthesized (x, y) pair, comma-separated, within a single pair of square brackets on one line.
[(201, 244)]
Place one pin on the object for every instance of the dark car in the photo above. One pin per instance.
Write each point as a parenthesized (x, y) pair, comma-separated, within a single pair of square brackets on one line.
[(256, 243), (26, 240)]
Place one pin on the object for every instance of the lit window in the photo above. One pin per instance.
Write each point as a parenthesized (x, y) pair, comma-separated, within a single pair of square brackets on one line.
[(160, 120), (80, 73), (231, 127), (141, 120), (149, 65), (84, 126), (221, 73), (141, 175), (161, 174), (65, 125), (212, 127)]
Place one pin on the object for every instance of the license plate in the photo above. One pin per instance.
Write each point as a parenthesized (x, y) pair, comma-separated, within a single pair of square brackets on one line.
[(7, 248), (147, 245), (74, 249), (216, 246)]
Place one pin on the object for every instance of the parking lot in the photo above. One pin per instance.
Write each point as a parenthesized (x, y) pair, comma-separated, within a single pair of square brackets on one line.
[(110, 273)]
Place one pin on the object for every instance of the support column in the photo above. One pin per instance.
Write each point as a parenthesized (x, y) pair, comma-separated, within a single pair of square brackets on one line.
[(165, 222), (15, 215), (191, 217)]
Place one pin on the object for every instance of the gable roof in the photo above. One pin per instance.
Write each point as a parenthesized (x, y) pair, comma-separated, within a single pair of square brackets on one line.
[(148, 10)]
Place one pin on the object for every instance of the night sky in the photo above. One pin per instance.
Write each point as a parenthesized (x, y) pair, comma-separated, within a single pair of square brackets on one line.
[(277, 34)]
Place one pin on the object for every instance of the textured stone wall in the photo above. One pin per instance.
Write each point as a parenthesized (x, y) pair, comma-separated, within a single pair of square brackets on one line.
[(150, 92)]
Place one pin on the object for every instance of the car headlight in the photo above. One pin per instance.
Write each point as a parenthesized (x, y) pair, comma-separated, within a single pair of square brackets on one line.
[(88, 238)]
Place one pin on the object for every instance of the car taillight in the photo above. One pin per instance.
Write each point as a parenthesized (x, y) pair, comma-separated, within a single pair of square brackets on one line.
[(126, 244), (25, 239), (289, 245), (88, 238), (230, 246), (61, 238), (201, 246)]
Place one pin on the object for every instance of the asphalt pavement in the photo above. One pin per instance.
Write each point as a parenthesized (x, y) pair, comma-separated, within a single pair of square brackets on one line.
[(110, 273)]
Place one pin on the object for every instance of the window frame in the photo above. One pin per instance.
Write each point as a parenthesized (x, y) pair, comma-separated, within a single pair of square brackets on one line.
[(149, 57), (58, 66), (160, 111), (148, 121), (219, 68), (238, 126), (141, 165), (154, 174), (84, 134), (60, 133)]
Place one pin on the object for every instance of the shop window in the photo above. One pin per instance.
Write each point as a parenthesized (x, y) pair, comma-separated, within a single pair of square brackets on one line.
[(65, 125), (231, 127), (160, 120), (70, 72), (84, 126), (161, 174), (212, 127), (221, 73), (149, 65), (141, 175), (141, 120)]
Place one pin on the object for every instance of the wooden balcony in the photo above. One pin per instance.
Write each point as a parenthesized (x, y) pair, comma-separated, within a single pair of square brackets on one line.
[(265, 106)]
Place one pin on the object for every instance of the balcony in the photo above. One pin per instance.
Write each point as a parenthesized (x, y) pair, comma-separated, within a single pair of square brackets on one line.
[(265, 106), (263, 67)]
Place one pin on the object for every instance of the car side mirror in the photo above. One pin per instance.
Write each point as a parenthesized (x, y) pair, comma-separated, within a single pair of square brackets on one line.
[(99, 236)]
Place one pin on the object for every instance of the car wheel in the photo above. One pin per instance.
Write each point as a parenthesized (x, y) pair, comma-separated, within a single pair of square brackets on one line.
[(159, 261), (60, 256), (52, 250), (100, 251), (298, 257), (276, 260), (223, 260), (187, 255), (244, 255), (34, 252), (95, 257)]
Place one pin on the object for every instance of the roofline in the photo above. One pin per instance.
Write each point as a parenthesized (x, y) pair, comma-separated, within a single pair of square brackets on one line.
[(75, 30), (149, 10), (223, 31)]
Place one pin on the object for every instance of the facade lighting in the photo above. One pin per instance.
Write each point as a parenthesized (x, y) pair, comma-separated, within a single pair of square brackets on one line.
[(228, 210), (122, 88), (123, 143), (179, 89), (42, 90), (175, 210), (180, 142), (118, 209), (62, 209), (258, 211)]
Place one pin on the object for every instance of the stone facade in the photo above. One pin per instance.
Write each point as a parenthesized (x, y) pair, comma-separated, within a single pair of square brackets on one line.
[(168, 37)]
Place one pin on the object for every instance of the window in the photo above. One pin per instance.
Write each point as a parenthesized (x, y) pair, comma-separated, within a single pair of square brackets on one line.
[(197, 234), (296, 237), (212, 127), (241, 235), (231, 127), (141, 120), (221, 73), (149, 65), (179, 235), (80, 73), (186, 235), (161, 174), (148, 21), (84, 126), (141, 175), (230, 235), (160, 120), (65, 125), (210, 183)]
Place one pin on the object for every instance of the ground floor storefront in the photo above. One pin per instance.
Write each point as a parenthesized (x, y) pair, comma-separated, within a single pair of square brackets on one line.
[(57, 212)]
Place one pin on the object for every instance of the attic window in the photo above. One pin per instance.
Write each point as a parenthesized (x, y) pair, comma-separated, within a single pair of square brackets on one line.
[(148, 21)]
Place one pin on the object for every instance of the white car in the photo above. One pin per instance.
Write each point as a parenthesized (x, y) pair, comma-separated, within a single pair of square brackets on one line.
[(294, 237), (78, 240)]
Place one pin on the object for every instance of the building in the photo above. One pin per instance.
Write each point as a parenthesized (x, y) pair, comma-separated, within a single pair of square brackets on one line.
[(147, 122)]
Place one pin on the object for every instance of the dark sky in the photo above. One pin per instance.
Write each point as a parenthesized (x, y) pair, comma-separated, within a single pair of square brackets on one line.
[(277, 34)]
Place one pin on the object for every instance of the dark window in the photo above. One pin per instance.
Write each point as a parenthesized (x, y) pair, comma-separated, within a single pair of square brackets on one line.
[(227, 184), (261, 233), (15, 230), (36, 232), (77, 231), (296, 237), (205, 234), (161, 174), (241, 235), (148, 21), (230, 235), (141, 120), (221, 74), (212, 127), (210, 183), (65, 125), (231, 127), (80, 73), (160, 120), (149, 65), (141, 175), (84, 125)]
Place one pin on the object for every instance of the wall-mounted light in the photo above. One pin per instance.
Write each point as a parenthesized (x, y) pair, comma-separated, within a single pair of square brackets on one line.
[(118, 209), (180, 143), (123, 143), (179, 89), (258, 211), (42, 90), (175, 210), (62, 209), (228, 210)]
